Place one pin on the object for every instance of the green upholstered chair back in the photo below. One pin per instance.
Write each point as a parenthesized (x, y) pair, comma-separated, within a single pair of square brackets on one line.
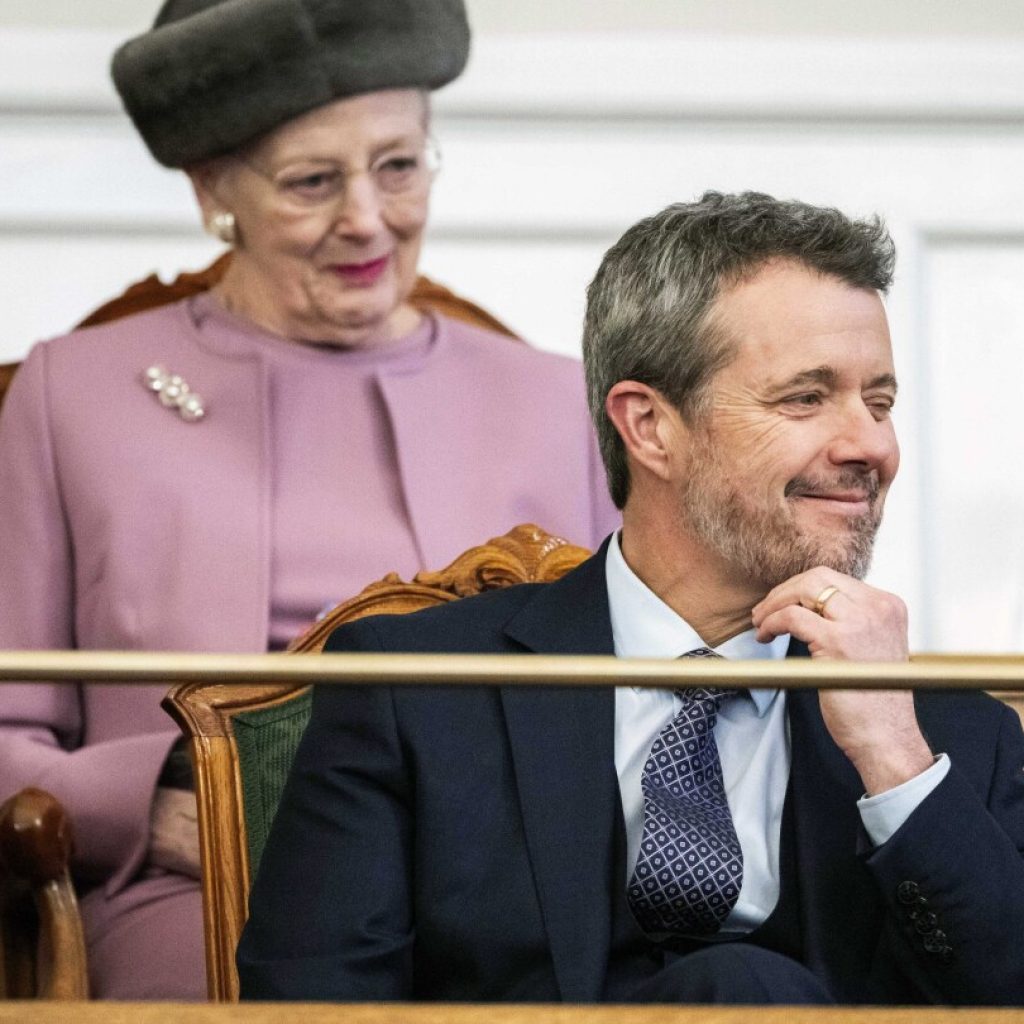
[(266, 741)]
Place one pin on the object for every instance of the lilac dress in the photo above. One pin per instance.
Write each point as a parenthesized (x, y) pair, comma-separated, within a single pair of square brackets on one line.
[(314, 472)]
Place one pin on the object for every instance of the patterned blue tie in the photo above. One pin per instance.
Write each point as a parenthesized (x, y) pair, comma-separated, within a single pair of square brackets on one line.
[(690, 866)]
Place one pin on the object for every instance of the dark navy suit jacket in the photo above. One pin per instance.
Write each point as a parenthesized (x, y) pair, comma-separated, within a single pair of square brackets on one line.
[(457, 843)]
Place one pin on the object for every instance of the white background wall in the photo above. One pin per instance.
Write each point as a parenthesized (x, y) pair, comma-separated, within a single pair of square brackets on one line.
[(577, 119)]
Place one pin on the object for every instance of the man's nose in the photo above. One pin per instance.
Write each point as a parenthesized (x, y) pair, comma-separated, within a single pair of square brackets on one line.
[(861, 437)]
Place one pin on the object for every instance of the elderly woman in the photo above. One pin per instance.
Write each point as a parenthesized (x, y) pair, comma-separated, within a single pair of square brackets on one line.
[(211, 474)]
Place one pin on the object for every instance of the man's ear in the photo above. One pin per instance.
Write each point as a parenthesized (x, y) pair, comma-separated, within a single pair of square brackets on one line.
[(650, 427)]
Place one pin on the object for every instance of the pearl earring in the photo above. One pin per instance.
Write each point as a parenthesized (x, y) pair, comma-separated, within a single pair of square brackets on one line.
[(222, 225)]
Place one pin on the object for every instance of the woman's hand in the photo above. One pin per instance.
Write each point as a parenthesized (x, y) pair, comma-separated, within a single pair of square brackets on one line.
[(174, 832)]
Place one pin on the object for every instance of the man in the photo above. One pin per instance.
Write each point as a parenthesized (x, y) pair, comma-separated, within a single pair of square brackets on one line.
[(586, 845)]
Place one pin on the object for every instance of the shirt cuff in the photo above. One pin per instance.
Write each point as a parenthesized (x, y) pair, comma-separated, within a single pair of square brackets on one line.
[(884, 813)]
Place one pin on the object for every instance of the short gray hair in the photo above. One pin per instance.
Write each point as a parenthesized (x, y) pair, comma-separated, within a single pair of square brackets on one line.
[(648, 306)]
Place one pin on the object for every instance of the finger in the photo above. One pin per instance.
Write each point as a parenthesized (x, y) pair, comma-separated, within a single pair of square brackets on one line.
[(803, 590), (837, 604), (795, 589), (878, 637), (812, 629)]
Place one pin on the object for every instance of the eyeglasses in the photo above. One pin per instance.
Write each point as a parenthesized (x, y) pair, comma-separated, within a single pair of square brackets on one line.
[(400, 173)]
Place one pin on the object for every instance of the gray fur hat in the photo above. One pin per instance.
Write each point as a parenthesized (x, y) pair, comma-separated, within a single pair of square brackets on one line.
[(212, 75)]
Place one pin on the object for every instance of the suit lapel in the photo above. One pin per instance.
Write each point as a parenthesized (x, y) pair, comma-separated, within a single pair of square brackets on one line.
[(562, 743)]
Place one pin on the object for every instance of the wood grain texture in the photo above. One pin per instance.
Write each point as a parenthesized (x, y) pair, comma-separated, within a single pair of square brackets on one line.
[(204, 712), (42, 941)]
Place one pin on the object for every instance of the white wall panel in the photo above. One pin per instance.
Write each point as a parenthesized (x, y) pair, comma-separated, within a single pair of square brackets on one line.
[(53, 280), (535, 284), (974, 451)]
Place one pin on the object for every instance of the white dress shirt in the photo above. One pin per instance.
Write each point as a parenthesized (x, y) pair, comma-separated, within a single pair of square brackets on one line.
[(752, 734)]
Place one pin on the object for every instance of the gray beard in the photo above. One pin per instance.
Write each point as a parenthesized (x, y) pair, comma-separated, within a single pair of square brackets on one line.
[(766, 545)]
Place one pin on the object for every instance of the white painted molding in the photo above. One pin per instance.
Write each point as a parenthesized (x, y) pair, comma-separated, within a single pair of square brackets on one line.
[(628, 75), (732, 76), (56, 71)]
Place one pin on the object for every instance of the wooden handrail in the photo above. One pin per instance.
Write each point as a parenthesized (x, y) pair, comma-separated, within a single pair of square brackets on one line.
[(491, 1013), (966, 672)]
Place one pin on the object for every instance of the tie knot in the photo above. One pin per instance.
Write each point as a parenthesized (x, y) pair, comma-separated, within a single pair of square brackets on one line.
[(709, 697)]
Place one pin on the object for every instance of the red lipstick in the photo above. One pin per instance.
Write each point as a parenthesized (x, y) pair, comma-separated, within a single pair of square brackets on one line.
[(361, 274)]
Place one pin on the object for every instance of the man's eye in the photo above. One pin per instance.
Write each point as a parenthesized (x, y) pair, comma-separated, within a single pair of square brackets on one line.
[(399, 164), (807, 400)]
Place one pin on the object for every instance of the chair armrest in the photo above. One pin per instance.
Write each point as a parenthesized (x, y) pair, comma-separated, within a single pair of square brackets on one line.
[(35, 836), (35, 850)]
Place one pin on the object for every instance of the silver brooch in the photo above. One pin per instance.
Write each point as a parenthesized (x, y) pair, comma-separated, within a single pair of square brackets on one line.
[(174, 393)]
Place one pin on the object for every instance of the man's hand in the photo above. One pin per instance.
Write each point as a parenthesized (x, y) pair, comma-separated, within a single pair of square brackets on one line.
[(876, 729), (174, 833), (858, 622)]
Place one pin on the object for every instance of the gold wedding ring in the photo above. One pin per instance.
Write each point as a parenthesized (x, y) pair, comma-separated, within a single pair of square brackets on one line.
[(823, 599)]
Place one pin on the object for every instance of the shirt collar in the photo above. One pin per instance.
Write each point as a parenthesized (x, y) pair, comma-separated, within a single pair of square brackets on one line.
[(643, 626)]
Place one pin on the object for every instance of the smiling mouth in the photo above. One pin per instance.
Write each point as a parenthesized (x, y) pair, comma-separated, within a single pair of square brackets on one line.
[(845, 497), (361, 273), (844, 504), (850, 495)]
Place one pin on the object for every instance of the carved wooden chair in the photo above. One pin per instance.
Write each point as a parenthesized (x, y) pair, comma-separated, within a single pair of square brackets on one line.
[(42, 949), (243, 738)]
